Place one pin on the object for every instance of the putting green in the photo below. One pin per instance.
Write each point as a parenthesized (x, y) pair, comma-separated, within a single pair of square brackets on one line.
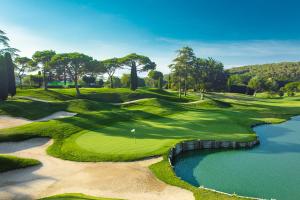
[(155, 136)]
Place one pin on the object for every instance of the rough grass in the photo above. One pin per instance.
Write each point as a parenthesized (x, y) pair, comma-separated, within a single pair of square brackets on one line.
[(75, 196), (11, 162)]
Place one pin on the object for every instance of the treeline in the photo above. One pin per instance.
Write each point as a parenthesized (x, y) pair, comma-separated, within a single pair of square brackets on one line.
[(281, 72), (270, 78)]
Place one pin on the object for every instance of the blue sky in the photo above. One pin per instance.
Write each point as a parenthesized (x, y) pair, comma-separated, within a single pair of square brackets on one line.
[(236, 32)]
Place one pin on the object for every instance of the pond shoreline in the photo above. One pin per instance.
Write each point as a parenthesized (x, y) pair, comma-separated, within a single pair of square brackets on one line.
[(192, 145)]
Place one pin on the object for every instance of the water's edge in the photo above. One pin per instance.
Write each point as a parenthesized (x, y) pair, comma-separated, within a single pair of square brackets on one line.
[(192, 145)]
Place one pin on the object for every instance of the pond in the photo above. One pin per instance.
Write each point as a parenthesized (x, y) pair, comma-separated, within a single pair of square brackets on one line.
[(270, 170)]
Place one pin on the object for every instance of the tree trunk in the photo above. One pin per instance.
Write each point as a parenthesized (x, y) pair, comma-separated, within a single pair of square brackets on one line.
[(65, 77), (254, 94), (45, 80), (21, 84), (179, 87), (185, 85), (111, 82), (133, 77), (76, 86)]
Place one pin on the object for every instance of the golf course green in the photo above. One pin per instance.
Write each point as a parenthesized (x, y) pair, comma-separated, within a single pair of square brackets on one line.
[(101, 130)]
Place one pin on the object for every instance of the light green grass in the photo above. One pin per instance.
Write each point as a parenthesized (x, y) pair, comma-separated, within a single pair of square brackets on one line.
[(75, 196), (101, 131), (12, 162)]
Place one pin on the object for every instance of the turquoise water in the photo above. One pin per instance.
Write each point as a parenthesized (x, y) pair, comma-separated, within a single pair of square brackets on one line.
[(270, 170)]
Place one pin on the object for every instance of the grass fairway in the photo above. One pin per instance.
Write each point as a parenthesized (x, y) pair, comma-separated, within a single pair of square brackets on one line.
[(101, 131)]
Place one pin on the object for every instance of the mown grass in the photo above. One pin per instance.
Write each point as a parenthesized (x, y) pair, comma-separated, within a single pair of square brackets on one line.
[(75, 196), (101, 131), (109, 95), (8, 162)]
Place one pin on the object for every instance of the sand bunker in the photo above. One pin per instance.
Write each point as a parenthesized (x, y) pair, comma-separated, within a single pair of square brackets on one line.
[(126, 180), (9, 122)]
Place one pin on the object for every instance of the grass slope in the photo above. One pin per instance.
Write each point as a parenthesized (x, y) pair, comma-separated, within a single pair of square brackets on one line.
[(108, 95), (11, 162), (75, 196), (101, 131)]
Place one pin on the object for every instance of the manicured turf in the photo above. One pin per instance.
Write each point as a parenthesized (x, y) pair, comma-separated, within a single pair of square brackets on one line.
[(75, 196), (101, 131), (108, 95), (11, 162)]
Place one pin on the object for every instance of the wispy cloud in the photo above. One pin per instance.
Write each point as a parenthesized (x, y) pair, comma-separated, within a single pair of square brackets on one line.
[(161, 50)]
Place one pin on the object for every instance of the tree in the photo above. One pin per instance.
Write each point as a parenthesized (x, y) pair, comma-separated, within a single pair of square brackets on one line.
[(23, 65), (125, 80), (157, 77), (59, 63), (110, 66), (3, 79), (78, 65), (182, 66), (10, 75), (41, 59), (256, 83), (4, 45), (136, 63), (89, 80)]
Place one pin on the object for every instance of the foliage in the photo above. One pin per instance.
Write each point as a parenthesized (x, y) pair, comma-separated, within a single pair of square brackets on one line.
[(11, 162), (157, 78), (89, 80), (23, 65), (41, 60), (10, 75), (292, 88), (136, 63), (3, 79), (110, 67), (280, 72)]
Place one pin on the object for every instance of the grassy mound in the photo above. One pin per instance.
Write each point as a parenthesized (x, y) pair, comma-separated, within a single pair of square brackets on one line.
[(209, 103), (75, 196), (11, 162), (108, 95)]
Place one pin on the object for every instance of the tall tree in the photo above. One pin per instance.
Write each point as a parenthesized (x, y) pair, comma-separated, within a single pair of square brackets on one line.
[(4, 45), (3, 79), (157, 78), (23, 65), (59, 62), (110, 66), (77, 65), (41, 59), (256, 83), (136, 63), (10, 74), (183, 64)]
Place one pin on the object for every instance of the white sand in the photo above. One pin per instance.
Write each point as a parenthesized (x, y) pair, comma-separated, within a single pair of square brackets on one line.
[(126, 180), (8, 121)]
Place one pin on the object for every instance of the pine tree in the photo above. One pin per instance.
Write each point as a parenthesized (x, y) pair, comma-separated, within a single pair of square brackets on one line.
[(3, 79), (10, 75)]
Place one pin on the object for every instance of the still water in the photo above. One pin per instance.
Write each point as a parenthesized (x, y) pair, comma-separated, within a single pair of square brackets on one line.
[(270, 170)]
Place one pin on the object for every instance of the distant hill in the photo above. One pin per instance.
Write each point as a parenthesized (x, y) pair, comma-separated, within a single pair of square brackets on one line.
[(284, 71)]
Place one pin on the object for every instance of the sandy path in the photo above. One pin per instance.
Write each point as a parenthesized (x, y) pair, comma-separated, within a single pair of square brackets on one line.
[(9, 122), (127, 180)]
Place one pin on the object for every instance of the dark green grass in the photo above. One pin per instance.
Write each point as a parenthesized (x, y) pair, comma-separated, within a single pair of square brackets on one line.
[(75, 196), (101, 131), (11, 162), (108, 95)]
